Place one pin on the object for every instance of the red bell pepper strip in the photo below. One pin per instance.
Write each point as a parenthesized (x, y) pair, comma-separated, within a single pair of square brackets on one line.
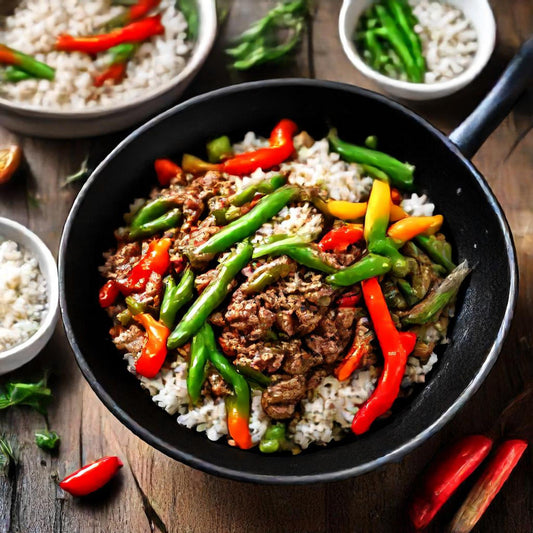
[(488, 485), (395, 196), (93, 44), (394, 354), (156, 259), (166, 170), (91, 477), (444, 475), (108, 293), (155, 349), (408, 339), (349, 300), (281, 147), (114, 73), (135, 12), (339, 239), (351, 360)]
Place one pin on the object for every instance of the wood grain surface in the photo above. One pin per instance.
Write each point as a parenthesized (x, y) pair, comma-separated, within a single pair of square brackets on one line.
[(155, 493)]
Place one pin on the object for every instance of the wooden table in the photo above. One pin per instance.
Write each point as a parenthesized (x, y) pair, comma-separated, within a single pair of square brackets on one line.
[(155, 493)]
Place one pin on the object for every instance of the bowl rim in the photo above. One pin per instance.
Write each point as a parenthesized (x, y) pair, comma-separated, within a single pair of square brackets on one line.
[(201, 49), (40, 251), (476, 66), (337, 475)]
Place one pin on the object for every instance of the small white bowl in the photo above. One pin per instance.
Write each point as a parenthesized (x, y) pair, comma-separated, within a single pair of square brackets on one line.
[(22, 353), (477, 11), (58, 124)]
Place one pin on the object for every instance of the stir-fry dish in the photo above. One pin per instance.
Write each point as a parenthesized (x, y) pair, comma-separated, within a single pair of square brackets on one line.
[(283, 291)]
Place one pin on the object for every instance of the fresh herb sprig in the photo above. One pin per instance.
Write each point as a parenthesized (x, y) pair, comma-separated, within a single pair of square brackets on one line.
[(35, 395), (47, 440), (263, 41), (8, 455)]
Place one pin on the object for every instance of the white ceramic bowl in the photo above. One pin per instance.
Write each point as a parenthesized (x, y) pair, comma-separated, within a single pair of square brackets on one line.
[(477, 11), (22, 353), (42, 122)]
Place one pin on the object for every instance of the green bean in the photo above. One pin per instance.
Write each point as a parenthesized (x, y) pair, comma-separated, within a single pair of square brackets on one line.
[(438, 251), (370, 266), (150, 211), (164, 222), (265, 187), (196, 371), (176, 296)]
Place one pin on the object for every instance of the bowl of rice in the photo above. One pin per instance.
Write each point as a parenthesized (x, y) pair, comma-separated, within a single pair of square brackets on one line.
[(457, 38), (71, 105), (28, 295)]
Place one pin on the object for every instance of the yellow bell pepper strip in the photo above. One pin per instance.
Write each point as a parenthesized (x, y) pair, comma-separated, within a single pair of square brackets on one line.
[(394, 353), (408, 228), (401, 174), (396, 213), (344, 210), (339, 239), (237, 406), (9, 56), (370, 266), (155, 350), (378, 212)]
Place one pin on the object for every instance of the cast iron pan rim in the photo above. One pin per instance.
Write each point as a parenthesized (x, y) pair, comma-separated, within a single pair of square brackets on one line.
[(337, 475)]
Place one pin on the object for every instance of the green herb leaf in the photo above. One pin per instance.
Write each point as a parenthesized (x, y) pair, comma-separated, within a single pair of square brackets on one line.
[(81, 175), (35, 395), (8, 456), (262, 42), (47, 440)]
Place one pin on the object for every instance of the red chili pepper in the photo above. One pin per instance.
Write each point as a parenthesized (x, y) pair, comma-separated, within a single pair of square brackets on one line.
[(350, 300), (166, 170), (339, 239), (394, 354), (141, 9), (93, 44), (156, 259), (155, 349), (114, 73), (108, 293), (91, 477), (444, 475), (238, 424), (408, 339), (488, 485)]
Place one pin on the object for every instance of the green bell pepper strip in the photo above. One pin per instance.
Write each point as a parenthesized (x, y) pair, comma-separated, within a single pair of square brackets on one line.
[(429, 308), (303, 254), (212, 296), (370, 266), (438, 251), (273, 439), (401, 174), (134, 306), (403, 15), (150, 211), (176, 296), (164, 222), (264, 187), (9, 56), (388, 248), (219, 149), (264, 276), (407, 291), (15, 74), (254, 375), (238, 407), (271, 244), (249, 223), (390, 31), (196, 371)]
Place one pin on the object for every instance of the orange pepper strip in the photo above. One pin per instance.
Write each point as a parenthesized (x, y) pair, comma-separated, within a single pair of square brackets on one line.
[(155, 349), (408, 228), (238, 425)]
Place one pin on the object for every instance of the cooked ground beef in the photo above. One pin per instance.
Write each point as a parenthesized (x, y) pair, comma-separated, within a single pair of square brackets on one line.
[(279, 399), (119, 264), (128, 340), (215, 384)]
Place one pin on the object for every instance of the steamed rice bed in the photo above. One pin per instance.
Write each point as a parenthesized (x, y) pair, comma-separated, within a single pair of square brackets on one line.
[(326, 411)]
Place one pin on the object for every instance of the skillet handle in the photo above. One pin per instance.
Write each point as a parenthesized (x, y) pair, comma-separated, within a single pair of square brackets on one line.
[(471, 134)]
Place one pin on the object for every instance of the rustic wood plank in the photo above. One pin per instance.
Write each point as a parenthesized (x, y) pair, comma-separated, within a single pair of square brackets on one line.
[(155, 493)]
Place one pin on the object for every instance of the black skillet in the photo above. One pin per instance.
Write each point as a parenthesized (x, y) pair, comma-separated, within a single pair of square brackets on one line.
[(474, 220)]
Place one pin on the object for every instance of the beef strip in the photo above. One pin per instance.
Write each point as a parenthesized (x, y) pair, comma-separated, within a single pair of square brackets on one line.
[(280, 398), (119, 264)]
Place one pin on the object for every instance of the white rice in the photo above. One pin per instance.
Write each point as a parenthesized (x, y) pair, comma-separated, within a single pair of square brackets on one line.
[(449, 42), (328, 412), (33, 29), (23, 302)]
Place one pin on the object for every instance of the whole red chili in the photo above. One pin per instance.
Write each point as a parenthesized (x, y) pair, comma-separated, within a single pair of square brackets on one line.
[(394, 354), (156, 259), (108, 293), (166, 170), (155, 349), (93, 44), (91, 477), (444, 475)]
